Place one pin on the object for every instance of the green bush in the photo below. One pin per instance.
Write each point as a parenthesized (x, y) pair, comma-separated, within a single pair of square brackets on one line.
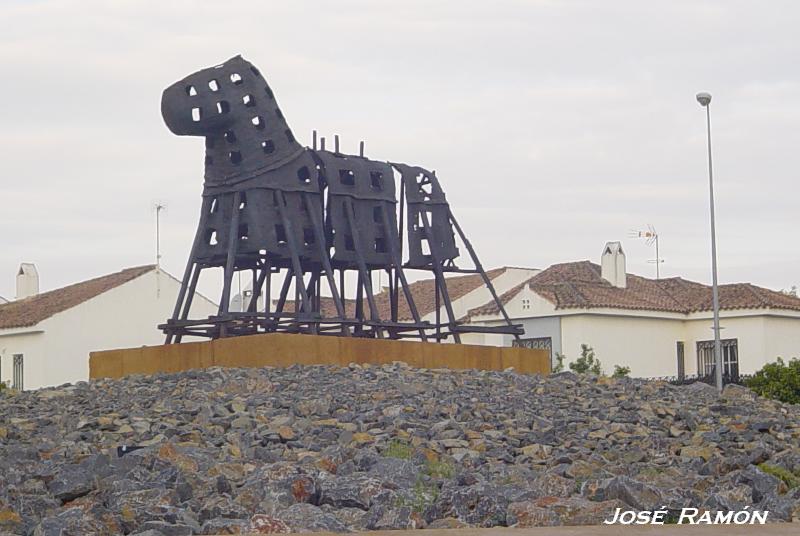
[(621, 372), (559, 366), (439, 469), (779, 381), (792, 480), (587, 362), (398, 449)]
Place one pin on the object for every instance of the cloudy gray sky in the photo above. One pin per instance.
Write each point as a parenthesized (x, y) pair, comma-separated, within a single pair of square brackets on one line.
[(553, 126)]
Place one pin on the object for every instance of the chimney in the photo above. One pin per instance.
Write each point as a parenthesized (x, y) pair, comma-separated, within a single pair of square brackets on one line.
[(27, 280), (612, 264)]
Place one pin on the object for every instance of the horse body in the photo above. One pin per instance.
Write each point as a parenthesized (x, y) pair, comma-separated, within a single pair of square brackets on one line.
[(272, 207)]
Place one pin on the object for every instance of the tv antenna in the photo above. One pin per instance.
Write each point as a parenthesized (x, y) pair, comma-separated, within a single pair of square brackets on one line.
[(651, 238), (159, 207)]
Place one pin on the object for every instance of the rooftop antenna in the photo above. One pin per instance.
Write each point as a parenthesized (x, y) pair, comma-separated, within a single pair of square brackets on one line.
[(651, 238), (159, 207)]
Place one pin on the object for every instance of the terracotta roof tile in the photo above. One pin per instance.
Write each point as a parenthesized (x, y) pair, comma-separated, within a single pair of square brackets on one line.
[(422, 292), (580, 285), (32, 310)]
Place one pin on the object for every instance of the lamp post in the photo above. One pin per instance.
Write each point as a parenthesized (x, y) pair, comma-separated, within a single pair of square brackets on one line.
[(705, 101)]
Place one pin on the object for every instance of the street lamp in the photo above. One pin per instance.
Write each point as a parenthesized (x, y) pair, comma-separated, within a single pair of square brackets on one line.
[(705, 101)]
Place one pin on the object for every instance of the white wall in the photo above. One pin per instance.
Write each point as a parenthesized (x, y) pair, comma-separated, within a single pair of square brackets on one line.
[(126, 316), (646, 341), (761, 338), (481, 295), (29, 343), (646, 345), (781, 339)]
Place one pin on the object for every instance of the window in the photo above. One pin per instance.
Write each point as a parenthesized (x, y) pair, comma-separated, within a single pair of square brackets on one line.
[(526, 304), (536, 343), (681, 365), (17, 372), (730, 357)]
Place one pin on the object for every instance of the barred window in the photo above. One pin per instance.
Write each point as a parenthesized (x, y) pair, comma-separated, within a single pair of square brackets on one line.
[(536, 343), (730, 357), (18, 369)]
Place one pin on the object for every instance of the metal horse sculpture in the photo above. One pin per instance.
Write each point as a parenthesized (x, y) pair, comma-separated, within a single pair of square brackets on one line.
[(277, 210)]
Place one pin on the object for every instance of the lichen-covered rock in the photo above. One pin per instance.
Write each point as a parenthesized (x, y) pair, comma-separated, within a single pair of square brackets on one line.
[(348, 491), (304, 517), (315, 448), (479, 505), (553, 511)]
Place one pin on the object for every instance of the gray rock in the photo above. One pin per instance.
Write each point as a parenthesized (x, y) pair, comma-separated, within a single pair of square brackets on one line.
[(167, 529), (349, 491), (394, 473), (385, 517), (225, 526), (70, 483), (632, 492), (762, 484), (478, 505), (327, 448), (304, 517)]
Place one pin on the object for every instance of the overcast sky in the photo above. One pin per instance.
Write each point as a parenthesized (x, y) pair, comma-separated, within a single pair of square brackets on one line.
[(553, 126)]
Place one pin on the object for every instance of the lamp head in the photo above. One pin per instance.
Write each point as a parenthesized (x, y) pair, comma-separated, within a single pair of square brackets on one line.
[(704, 98)]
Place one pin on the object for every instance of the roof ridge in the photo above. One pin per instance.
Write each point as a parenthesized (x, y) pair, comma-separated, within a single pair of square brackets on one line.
[(760, 297), (34, 309), (684, 307)]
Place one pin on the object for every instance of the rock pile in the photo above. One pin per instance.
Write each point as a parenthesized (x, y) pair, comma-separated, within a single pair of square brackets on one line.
[(341, 449)]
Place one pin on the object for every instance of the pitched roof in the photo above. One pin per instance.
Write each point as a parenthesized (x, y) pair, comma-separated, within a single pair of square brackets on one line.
[(32, 310), (422, 292), (574, 285)]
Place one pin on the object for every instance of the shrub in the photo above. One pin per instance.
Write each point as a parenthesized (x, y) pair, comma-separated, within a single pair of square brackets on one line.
[(587, 362), (792, 479), (779, 380), (439, 469), (398, 449), (559, 366), (621, 372), (423, 497)]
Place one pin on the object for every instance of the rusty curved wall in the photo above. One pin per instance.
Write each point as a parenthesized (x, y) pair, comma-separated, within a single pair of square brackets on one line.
[(282, 350)]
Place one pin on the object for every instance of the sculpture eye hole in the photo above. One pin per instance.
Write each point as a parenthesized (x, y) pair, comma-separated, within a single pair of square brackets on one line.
[(236, 78), (304, 175), (197, 114), (347, 177), (375, 179), (213, 85), (191, 91)]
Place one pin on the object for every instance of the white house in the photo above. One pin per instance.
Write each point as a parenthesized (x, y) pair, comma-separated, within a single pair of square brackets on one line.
[(45, 338), (656, 327), (465, 291)]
